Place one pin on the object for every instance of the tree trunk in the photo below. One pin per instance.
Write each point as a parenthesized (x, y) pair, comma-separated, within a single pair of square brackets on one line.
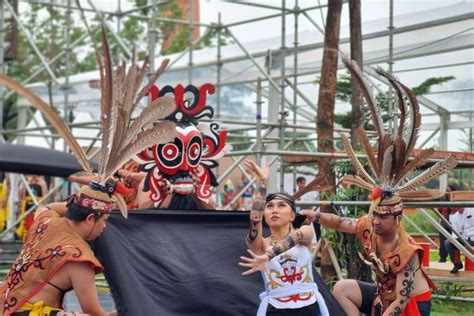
[(356, 269), (356, 54), (325, 112)]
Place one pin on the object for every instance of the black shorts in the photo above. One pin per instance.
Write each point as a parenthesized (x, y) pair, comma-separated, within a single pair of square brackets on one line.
[(310, 310), (368, 291)]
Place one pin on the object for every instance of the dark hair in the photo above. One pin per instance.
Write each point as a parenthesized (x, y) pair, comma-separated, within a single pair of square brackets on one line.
[(78, 213), (282, 196), (453, 187), (299, 179)]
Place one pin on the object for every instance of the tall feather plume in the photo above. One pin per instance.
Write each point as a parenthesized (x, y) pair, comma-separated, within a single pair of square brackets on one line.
[(387, 167), (364, 140), (106, 104), (399, 157), (157, 110), (350, 179), (421, 195), (374, 110), (384, 143), (118, 101), (415, 120), (426, 176), (152, 79), (417, 162), (52, 117), (141, 76), (162, 133), (129, 137), (359, 168), (400, 98), (105, 129), (392, 166)]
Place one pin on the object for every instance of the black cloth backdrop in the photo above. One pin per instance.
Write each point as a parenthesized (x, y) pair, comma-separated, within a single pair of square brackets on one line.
[(37, 160), (162, 262)]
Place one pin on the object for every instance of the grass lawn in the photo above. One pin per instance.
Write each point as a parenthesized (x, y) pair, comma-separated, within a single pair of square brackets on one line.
[(451, 308)]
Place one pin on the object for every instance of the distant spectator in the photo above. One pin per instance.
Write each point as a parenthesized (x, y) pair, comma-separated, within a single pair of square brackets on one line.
[(248, 194), (463, 223), (308, 197), (445, 211), (38, 188), (228, 193)]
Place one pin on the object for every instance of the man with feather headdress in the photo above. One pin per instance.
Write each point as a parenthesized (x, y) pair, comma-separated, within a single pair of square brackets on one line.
[(402, 287), (56, 257)]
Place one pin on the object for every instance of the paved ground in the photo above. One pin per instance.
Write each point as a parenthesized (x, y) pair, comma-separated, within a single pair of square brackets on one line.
[(72, 304)]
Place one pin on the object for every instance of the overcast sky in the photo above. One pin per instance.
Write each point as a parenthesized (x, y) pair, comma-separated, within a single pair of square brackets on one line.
[(232, 12)]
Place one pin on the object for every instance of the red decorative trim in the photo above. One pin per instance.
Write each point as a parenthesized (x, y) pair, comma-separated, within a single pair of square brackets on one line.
[(97, 269)]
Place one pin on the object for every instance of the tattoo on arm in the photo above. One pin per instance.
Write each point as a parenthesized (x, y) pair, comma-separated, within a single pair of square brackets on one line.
[(345, 224), (407, 287), (346, 221), (317, 216), (255, 220), (288, 242)]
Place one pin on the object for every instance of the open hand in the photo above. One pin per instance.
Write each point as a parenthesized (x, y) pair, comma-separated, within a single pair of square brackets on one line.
[(256, 263), (263, 173)]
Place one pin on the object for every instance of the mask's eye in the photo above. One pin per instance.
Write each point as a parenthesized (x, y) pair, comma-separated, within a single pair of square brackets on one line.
[(169, 154), (170, 151), (194, 151)]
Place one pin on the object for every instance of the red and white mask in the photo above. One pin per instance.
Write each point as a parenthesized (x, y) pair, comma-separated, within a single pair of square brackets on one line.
[(175, 160), (195, 150)]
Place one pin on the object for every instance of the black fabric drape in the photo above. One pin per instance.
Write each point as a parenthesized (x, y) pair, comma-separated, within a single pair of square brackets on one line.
[(162, 262)]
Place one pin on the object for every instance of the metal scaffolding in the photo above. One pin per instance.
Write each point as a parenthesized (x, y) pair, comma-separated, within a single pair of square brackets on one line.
[(283, 92)]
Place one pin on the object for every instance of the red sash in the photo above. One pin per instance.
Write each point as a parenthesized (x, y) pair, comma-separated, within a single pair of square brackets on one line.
[(411, 308)]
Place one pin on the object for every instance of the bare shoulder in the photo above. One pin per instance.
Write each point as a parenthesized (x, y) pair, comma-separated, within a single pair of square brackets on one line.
[(77, 267), (306, 229)]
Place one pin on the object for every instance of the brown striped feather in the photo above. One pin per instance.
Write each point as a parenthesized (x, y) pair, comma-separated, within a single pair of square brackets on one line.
[(52, 117), (373, 108), (417, 162), (429, 174), (364, 140), (350, 179), (356, 163)]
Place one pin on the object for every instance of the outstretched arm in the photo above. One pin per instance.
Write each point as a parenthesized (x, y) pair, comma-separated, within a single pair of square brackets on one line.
[(302, 236), (404, 287), (342, 224), (255, 236)]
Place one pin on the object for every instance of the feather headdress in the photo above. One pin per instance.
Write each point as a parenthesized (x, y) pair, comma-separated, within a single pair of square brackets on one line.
[(121, 93), (391, 167)]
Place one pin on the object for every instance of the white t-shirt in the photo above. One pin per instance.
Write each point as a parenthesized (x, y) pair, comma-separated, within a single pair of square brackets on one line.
[(463, 223), (310, 197)]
